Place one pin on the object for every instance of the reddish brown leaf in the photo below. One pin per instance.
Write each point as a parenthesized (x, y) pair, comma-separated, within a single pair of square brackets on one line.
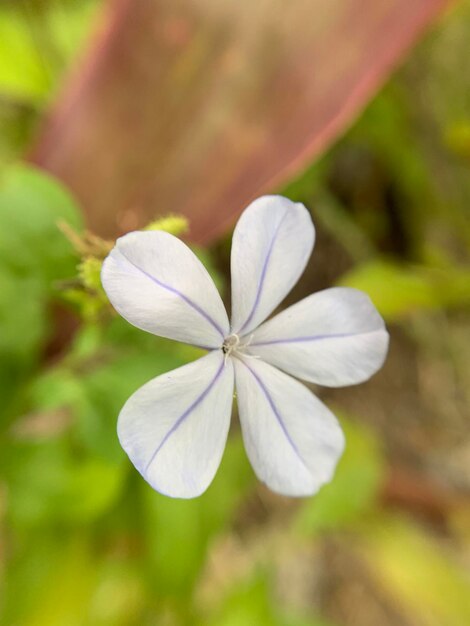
[(197, 106)]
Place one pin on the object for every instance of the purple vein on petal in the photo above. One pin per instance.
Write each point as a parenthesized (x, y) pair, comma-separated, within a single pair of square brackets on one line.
[(274, 410), (181, 295), (271, 342), (263, 275), (185, 415)]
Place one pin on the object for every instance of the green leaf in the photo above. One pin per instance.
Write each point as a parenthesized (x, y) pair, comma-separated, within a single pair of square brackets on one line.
[(31, 206), (37, 41), (22, 71), (23, 324), (48, 483), (22, 316), (34, 254), (398, 290)]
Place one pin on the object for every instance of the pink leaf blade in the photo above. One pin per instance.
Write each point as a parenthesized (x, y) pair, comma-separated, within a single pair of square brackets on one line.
[(198, 107)]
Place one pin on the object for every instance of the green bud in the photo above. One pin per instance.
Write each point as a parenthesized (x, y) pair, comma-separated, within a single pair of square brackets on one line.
[(89, 271), (173, 224)]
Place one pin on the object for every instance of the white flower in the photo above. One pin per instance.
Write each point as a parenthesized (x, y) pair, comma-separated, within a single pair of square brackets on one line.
[(175, 427)]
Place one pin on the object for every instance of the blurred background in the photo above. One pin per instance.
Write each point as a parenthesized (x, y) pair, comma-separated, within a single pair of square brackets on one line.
[(116, 114)]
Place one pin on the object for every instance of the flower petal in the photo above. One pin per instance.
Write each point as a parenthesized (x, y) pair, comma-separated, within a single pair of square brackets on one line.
[(271, 245), (334, 337), (292, 439), (158, 284), (175, 427)]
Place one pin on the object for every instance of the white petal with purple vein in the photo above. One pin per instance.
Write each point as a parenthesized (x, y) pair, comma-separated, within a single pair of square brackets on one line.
[(334, 337), (292, 439), (271, 245), (175, 427), (158, 284)]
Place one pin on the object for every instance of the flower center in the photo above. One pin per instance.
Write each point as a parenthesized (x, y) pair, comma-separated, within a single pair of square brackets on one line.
[(231, 343)]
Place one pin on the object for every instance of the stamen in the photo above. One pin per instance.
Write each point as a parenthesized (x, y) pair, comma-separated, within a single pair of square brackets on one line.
[(247, 343), (231, 344)]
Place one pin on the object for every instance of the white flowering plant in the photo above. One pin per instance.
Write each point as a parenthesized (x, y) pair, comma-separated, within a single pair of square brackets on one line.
[(175, 427)]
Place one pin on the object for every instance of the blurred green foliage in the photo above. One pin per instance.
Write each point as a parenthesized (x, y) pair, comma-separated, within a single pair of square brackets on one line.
[(84, 540), (358, 478), (37, 42), (423, 577), (30, 206), (399, 289)]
